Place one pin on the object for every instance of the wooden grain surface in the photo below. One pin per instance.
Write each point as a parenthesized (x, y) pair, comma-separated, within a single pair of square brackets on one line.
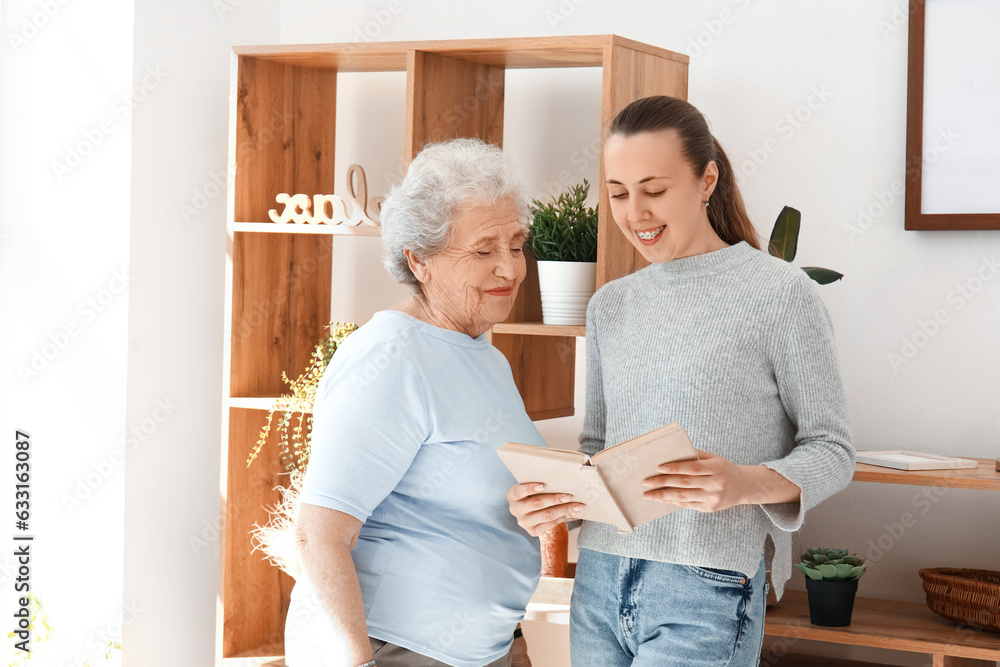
[(540, 329), (985, 477), (329, 230), (447, 98), (255, 593), (889, 624), (285, 120), (280, 306), (518, 52)]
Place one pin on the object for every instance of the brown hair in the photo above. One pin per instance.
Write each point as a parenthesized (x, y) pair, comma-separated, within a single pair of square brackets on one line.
[(726, 212)]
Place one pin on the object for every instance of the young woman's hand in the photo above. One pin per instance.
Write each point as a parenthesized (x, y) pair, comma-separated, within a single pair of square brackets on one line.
[(538, 512), (713, 483)]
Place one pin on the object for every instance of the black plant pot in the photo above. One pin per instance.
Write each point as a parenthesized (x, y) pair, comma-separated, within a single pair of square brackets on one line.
[(831, 602)]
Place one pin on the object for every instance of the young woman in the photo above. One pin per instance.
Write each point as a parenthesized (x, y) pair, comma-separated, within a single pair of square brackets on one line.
[(736, 346)]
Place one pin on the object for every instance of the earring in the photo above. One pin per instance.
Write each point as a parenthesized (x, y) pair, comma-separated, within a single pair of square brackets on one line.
[(706, 203)]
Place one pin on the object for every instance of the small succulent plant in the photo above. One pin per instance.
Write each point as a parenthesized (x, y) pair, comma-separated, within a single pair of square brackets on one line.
[(831, 565)]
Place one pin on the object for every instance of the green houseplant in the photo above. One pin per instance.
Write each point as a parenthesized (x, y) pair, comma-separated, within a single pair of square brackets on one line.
[(276, 537), (785, 243), (831, 582), (294, 442), (563, 239)]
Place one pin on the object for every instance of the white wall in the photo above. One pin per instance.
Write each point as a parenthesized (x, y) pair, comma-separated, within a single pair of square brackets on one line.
[(178, 252), (65, 90), (753, 64)]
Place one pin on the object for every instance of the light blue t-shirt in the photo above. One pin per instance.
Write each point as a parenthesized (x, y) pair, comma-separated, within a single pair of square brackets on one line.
[(407, 420)]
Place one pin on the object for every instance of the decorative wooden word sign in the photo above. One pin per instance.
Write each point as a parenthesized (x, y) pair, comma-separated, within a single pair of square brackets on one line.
[(331, 209)]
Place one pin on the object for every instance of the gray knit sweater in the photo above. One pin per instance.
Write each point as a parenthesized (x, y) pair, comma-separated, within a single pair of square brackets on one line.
[(737, 347)]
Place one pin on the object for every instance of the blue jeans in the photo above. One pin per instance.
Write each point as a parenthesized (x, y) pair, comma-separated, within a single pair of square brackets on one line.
[(631, 612)]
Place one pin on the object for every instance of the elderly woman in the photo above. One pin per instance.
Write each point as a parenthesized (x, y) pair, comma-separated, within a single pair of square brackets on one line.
[(409, 553)]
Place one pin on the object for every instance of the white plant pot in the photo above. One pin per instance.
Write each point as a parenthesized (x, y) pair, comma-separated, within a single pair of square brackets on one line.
[(566, 290)]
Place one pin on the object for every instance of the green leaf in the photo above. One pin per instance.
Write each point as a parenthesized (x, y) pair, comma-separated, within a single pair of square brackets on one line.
[(828, 571), (843, 572), (857, 572), (564, 229), (819, 559), (815, 575), (821, 275), (853, 560), (785, 235)]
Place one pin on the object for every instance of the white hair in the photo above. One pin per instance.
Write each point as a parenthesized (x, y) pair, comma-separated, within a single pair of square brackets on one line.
[(446, 176)]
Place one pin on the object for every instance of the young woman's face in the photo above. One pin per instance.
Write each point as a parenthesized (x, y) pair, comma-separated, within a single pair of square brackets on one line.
[(657, 200)]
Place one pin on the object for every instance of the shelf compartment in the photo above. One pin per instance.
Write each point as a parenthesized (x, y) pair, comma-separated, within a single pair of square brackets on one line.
[(291, 228), (539, 329), (280, 306), (255, 593), (512, 53), (887, 624), (544, 367), (985, 477)]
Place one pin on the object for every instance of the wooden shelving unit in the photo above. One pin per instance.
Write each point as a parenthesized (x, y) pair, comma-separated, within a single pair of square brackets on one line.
[(886, 624), (283, 133), (332, 230), (539, 329), (985, 477)]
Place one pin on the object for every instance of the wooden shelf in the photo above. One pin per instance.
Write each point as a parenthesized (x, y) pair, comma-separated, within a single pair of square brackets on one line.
[(276, 228), (550, 602), (887, 624), (265, 656), (796, 660), (539, 329), (255, 403), (512, 53), (985, 477)]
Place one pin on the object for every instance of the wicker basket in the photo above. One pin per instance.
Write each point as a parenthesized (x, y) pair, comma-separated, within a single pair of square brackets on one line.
[(968, 596)]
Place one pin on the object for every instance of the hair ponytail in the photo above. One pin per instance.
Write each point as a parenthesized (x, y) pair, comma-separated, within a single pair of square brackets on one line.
[(726, 211)]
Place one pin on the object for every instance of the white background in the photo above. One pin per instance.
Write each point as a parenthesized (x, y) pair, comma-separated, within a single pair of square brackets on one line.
[(145, 538)]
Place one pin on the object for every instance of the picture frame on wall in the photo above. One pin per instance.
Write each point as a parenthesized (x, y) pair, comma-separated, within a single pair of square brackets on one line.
[(952, 107)]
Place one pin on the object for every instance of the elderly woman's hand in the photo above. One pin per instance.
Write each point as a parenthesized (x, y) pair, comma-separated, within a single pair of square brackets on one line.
[(519, 653), (538, 513)]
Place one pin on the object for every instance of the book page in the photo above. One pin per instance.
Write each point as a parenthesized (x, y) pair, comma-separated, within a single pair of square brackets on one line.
[(625, 470), (547, 452), (562, 476)]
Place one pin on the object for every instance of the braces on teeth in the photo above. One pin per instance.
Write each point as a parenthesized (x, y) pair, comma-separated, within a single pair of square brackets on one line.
[(649, 236)]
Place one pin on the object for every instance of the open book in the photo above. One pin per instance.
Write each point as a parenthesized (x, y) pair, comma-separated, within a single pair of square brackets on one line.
[(610, 482)]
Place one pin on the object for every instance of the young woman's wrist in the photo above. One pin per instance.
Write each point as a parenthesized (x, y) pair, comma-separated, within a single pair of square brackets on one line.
[(766, 486)]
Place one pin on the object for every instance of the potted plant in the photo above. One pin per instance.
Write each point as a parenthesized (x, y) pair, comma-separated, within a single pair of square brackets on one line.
[(564, 241), (785, 242), (831, 582)]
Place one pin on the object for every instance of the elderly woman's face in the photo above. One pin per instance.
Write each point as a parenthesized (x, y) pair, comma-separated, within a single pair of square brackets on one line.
[(472, 283)]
